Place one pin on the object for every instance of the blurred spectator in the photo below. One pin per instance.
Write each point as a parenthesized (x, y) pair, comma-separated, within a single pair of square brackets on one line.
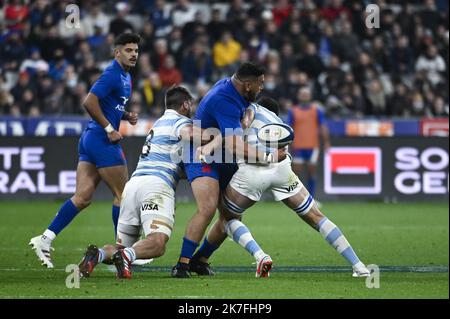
[(226, 53), (257, 48), (160, 53), (16, 13), (119, 25), (418, 105), (399, 103), (97, 38), (58, 66), (346, 44), (104, 51), (216, 26), (310, 62), (161, 18), (169, 73), (182, 13), (197, 65), (401, 57), (439, 107), (95, 21), (376, 98), (287, 58), (12, 52), (432, 64), (334, 9), (281, 11), (22, 85)]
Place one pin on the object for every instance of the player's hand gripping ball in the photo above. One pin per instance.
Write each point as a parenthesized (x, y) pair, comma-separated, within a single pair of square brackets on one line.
[(276, 135)]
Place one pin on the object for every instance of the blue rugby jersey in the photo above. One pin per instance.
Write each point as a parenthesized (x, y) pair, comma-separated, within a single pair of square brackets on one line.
[(113, 89), (162, 147), (222, 107)]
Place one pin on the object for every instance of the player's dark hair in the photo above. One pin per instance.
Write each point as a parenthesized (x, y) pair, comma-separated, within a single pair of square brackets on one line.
[(127, 37), (175, 96), (249, 70), (269, 104)]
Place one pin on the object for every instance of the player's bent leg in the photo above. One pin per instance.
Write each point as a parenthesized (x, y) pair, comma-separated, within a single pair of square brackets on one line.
[(86, 182), (215, 237), (206, 193), (234, 205), (128, 235), (303, 204)]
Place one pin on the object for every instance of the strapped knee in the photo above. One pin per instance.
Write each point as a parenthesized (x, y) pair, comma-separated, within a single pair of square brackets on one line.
[(232, 207), (305, 206), (127, 235)]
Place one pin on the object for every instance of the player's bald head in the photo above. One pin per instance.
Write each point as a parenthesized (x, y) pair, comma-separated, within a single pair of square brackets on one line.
[(250, 78), (248, 71)]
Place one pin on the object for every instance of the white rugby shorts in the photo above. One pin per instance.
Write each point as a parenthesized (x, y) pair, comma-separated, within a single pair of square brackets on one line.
[(252, 180), (147, 201)]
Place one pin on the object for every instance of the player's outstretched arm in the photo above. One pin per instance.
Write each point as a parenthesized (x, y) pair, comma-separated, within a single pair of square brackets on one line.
[(92, 106)]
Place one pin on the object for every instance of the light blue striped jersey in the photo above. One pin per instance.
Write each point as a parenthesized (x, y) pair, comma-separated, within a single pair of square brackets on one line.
[(162, 148), (262, 117)]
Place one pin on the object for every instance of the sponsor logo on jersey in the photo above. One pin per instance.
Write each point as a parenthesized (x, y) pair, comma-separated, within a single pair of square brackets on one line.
[(291, 187), (149, 206), (121, 107)]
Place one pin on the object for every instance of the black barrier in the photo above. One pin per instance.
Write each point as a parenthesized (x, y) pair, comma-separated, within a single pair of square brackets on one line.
[(387, 169), (390, 169)]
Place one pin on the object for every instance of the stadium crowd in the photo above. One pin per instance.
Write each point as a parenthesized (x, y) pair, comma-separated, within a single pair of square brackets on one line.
[(397, 70)]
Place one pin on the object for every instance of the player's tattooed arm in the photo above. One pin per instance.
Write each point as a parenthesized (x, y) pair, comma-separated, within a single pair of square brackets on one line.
[(248, 118), (92, 106)]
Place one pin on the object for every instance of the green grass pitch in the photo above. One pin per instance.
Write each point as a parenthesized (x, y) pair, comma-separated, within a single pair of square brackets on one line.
[(394, 236)]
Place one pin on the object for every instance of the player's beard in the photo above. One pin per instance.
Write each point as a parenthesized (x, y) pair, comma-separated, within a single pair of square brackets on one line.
[(251, 97)]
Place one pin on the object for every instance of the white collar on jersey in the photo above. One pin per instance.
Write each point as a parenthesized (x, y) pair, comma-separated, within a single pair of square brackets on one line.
[(172, 111)]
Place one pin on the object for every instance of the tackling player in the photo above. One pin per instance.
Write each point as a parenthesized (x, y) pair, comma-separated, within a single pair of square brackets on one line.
[(148, 200), (100, 154), (246, 188), (223, 107)]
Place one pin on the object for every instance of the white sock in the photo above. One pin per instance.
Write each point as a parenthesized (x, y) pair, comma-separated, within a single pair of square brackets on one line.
[(130, 253), (260, 254), (48, 236)]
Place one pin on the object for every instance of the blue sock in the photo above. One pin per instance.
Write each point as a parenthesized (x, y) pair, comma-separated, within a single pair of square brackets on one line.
[(188, 248), (312, 186), (206, 249), (66, 213), (115, 217)]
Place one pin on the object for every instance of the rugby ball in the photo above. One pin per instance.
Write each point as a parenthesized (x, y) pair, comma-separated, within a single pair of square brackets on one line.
[(276, 135)]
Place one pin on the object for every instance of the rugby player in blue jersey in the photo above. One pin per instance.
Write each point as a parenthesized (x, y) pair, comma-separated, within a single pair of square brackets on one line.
[(100, 154), (223, 107)]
